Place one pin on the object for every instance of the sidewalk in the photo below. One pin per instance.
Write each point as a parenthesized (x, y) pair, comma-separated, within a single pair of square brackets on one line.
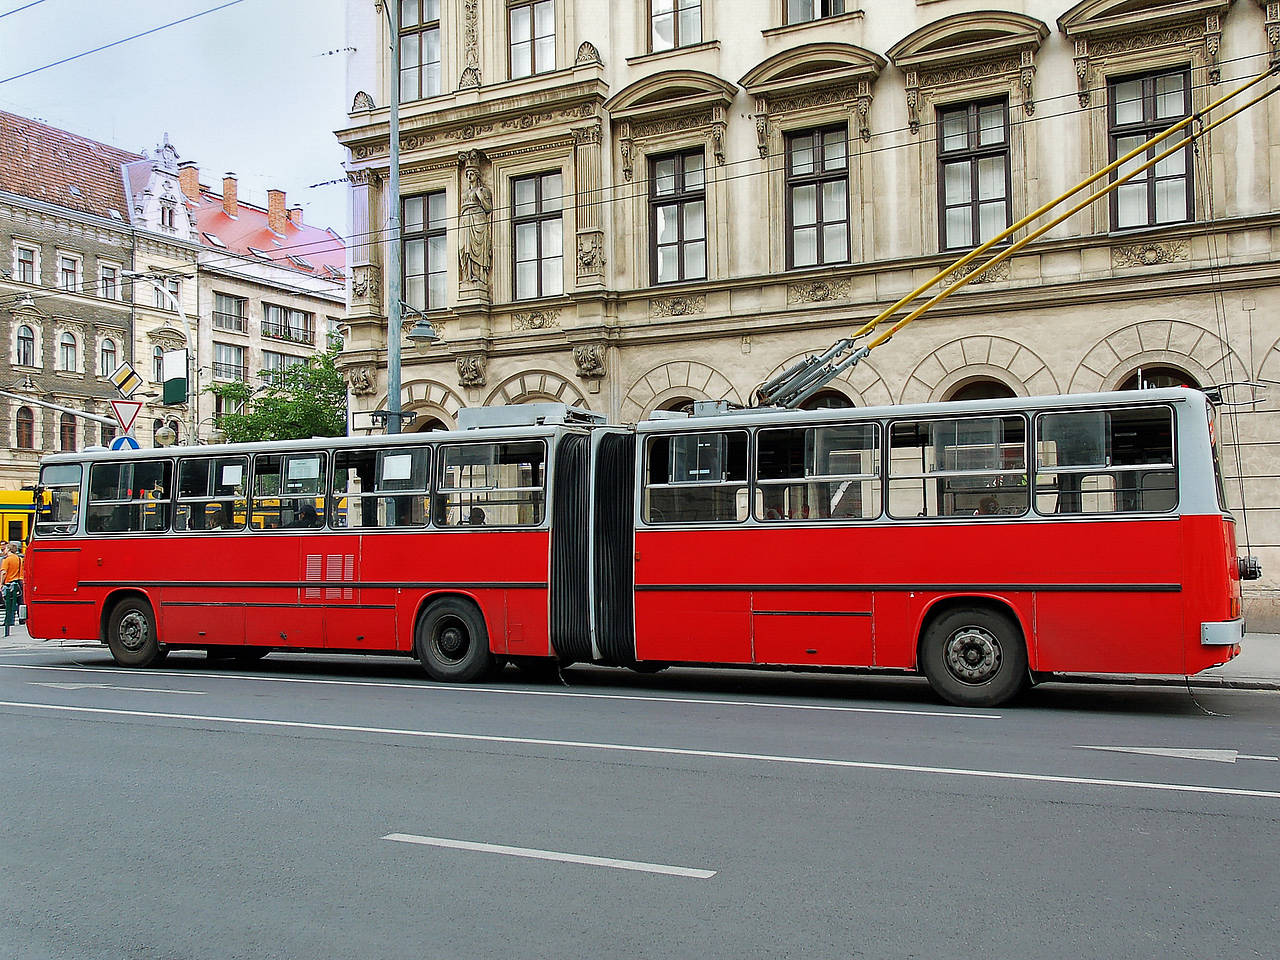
[(1256, 668)]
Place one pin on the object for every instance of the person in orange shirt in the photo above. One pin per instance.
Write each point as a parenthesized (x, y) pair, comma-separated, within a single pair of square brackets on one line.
[(10, 583)]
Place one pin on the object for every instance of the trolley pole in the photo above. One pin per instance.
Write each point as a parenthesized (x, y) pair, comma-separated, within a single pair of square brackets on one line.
[(394, 315)]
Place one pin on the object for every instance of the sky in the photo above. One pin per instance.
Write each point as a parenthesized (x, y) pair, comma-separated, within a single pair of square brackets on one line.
[(255, 88)]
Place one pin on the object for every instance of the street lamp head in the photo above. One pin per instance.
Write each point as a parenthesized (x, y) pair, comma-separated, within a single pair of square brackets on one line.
[(423, 332)]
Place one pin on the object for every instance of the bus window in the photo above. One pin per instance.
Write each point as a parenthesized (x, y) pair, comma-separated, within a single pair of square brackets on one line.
[(491, 484), (129, 497), (819, 473), (1105, 461), (965, 467), (380, 488), (58, 507), (288, 491), (211, 494), (696, 478)]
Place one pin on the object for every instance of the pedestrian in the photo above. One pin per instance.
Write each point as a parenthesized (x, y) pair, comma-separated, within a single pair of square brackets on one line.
[(10, 583)]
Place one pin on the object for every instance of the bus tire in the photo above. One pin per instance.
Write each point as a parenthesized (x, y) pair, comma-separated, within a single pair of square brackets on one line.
[(131, 634), (452, 643), (974, 657)]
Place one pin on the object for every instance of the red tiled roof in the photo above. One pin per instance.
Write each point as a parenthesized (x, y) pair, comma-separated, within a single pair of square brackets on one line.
[(44, 163), (319, 247)]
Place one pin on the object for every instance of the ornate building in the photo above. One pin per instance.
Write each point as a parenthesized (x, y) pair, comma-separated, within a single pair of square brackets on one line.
[(677, 201)]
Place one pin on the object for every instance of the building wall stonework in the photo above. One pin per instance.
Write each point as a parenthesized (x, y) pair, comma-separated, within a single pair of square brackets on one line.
[(1081, 309)]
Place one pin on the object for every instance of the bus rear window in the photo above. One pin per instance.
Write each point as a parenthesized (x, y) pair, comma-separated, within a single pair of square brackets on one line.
[(58, 502)]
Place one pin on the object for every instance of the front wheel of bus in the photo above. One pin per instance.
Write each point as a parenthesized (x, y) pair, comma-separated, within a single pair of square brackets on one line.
[(131, 634), (452, 642), (974, 657)]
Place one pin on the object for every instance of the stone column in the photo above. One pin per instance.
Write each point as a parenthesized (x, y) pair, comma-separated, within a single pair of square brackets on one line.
[(588, 165)]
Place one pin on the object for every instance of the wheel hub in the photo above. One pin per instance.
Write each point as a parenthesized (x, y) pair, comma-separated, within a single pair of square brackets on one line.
[(452, 641), (972, 655), (133, 631)]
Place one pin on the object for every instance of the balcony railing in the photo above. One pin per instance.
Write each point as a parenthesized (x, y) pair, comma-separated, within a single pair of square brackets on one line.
[(228, 321), (230, 371), (282, 331)]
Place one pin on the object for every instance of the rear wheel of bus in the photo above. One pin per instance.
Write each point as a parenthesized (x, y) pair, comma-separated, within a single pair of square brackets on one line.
[(974, 657), (131, 634), (452, 641)]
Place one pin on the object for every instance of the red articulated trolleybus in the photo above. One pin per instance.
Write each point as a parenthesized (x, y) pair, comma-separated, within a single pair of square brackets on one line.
[(981, 543)]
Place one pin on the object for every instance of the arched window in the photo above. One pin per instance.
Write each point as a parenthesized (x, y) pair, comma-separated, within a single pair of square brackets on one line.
[(427, 424), (1149, 378), (26, 424), (26, 346), (677, 405), (983, 389), (67, 433), (827, 400), (157, 364), (68, 358), (107, 358)]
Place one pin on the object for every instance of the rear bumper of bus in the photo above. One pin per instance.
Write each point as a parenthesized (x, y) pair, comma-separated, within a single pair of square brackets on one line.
[(1221, 633)]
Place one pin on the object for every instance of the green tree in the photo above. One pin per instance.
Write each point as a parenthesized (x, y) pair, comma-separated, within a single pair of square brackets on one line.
[(304, 400)]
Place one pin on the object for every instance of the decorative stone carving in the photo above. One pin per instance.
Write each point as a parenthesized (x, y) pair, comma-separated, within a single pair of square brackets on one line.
[(363, 380), (471, 370), (862, 106), (1273, 27), (587, 53), (475, 242), (624, 148), (717, 134), (913, 101), (362, 102), (677, 306), (1027, 77), (470, 48), (1212, 43), (591, 258), (362, 178), (535, 319), (762, 130), (589, 134), (366, 283), (1081, 60), (589, 359), (999, 272), (817, 291), (1148, 254)]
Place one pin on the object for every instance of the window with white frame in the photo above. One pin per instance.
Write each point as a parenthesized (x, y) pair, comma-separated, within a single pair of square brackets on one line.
[(274, 364), (228, 362), (174, 287), (674, 23), (68, 273), (107, 357), (817, 208), (26, 346), (531, 29), (230, 313), (425, 262), (419, 49), (68, 354), (536, 220), (157, 364), (26, 263), (109, 281), (678, 221), (802, 11)]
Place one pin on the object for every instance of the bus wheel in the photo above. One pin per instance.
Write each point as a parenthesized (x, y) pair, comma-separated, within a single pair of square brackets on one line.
[(452, 642), (131, 634), (974, 657)]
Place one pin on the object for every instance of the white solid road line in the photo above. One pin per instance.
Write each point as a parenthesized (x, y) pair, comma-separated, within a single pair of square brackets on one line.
[(662, 751), (111, 686), (533, 854), (429, 687)]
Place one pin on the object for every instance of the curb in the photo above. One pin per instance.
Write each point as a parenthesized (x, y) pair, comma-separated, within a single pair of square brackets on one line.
[(1210, 682)]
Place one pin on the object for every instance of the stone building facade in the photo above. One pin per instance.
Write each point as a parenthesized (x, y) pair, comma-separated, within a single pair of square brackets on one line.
[(675, 202)]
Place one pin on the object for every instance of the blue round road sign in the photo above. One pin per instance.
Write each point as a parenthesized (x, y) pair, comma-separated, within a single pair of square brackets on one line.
[(125, 442)]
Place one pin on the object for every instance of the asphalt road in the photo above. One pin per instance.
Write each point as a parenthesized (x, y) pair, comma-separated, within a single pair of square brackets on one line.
[(339, 807)]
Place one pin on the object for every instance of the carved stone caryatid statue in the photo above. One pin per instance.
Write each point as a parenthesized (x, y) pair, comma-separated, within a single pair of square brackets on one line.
[(475, 247)]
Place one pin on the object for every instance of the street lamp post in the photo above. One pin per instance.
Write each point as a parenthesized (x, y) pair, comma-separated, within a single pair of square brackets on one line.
[(393, 260), (193, 352)]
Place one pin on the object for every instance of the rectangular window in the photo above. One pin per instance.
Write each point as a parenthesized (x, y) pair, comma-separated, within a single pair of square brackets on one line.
[(426, 235), (1106, 461), (289, 491), (108, 281), (273, 364), (419, 49), (802, 11), (166, 296), (68, 273), (491, 484), (973, 172), (1138, 108), (129, 497), (26, 265), (539, 258), (678, 217), (696, 478), (283, 323), (230, 313), (381, 488), (819, 473), (211, 494), (674, 23), (969, 467), (817, 197), (532, 31), (228, 362), (58, 504)]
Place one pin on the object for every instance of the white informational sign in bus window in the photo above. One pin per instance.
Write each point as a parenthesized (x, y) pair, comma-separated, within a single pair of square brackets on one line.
[(398, 467), (232, 474), (304, 468)]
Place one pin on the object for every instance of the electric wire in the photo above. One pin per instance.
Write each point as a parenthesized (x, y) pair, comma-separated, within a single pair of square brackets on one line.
[(28, 6)]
